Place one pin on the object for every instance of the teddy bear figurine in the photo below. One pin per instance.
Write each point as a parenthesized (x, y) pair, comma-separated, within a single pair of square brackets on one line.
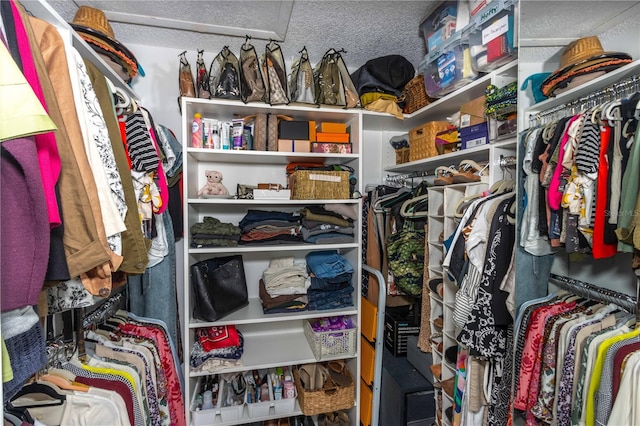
[(214, 184)]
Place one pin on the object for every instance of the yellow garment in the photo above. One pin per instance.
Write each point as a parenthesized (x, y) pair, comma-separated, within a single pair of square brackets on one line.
[(21, 113), (385, 105), (7, 371), (112, 371), (594, 383), (369, 97)]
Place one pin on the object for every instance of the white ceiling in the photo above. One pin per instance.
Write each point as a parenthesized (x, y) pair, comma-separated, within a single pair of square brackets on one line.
[(547, 26), (365, 29)]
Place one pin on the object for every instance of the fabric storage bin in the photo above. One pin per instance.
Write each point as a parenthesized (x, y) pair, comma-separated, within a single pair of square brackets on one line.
[(493, 36), (331, 344), (448, 68), (422, 140), (319, 185), (330, 398)]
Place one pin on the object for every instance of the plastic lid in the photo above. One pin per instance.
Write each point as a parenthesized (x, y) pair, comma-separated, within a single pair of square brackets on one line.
[(287, 378)]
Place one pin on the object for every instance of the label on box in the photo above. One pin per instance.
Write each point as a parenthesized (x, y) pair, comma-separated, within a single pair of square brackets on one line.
[(477, 5), (441, 34), (501, 26), (326, 178), (471, 143), (447, 68)]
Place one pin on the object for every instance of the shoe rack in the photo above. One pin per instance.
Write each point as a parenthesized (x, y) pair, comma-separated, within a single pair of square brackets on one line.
[(442, 221)]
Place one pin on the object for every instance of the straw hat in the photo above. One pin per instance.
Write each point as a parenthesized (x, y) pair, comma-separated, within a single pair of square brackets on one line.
[(94, 28), (583, 56)]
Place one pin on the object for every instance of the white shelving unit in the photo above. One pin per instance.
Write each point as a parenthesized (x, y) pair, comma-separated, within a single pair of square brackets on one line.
[(270, 340), (443, 199)]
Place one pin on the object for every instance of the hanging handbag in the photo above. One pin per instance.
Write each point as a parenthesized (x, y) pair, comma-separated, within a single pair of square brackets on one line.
[(224, 75), (275, 75), (185, 79), (259, 123), (333, 83), (218, 287), (202, 77), (252, 83), (301, 87), (405, 253)]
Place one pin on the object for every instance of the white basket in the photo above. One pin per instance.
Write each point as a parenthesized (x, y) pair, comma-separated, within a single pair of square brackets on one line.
[(331, 344), (215, 415), (260, 409)]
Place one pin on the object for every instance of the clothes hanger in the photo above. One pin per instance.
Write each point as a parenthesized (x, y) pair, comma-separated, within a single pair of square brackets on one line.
[(64, 383), (48, 389), (411, 204)]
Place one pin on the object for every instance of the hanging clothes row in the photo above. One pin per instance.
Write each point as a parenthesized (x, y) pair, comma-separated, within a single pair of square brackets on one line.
[(582, 166), (577, 355), (479, 260), (86, 177), (123, 370)]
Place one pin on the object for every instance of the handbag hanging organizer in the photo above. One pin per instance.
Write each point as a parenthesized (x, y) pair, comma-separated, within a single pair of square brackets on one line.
[(251, 79), (224, 75), (275, 75), (218, 287), (301, 87), (333, 82)]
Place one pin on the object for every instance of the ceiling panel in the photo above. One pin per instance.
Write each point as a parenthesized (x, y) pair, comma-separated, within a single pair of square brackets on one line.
[(365, 29)]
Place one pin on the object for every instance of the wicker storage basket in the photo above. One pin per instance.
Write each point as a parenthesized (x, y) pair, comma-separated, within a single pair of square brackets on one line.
[(319, 185), (402, 155), (330, 398), (414, 95), (422, 140)]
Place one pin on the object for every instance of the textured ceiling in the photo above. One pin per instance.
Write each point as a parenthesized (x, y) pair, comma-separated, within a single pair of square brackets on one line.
[(548, 26), (365, 29)]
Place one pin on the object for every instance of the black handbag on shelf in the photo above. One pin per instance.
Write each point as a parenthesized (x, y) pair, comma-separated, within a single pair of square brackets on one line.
[(218, 287)]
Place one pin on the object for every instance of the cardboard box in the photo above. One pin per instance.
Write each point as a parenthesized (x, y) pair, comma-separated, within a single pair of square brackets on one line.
[(332, 127), (332, 137), (312, 130), (473, 136), (472, 112), (293, 130), (267, 194), (331, 147), (294, 145)]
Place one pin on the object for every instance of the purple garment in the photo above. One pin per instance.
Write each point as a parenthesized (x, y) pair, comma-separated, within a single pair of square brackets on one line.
[(24, 228)]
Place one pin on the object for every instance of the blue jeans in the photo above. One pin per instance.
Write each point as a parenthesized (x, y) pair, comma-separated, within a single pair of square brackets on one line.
[(328, 264), (153, 294), (321, 300), (261, 215)]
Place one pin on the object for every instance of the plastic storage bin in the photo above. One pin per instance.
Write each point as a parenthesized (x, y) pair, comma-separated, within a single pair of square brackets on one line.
[(448, 68), (220, 413), (493, 36), (284, 406), (259, 408), (331, 344)]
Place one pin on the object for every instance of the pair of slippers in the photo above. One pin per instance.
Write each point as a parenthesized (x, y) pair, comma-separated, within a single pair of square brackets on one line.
[(468, 171), (320, 375)]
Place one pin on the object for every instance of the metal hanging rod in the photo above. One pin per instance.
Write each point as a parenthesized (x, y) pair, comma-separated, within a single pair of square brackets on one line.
[(403, 178), (508, 162), (614, 91), (594, 292)]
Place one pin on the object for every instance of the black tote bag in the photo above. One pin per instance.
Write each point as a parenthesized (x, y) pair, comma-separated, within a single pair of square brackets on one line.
[(218, 287)]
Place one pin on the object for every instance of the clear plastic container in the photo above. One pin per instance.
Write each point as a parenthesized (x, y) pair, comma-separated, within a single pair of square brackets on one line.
[(492, 36), (449, 68)]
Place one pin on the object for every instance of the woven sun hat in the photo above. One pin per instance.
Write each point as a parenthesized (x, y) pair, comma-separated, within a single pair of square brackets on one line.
[(94, 28), (582, 56)]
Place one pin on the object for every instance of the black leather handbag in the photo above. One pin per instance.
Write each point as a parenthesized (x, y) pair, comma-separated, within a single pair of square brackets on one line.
[(218, 287)]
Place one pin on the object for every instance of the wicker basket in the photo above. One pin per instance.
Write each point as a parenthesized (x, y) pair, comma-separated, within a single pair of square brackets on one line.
[(414, 95), (330, 398), (319, 185), (422, 140), (402, 155)]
